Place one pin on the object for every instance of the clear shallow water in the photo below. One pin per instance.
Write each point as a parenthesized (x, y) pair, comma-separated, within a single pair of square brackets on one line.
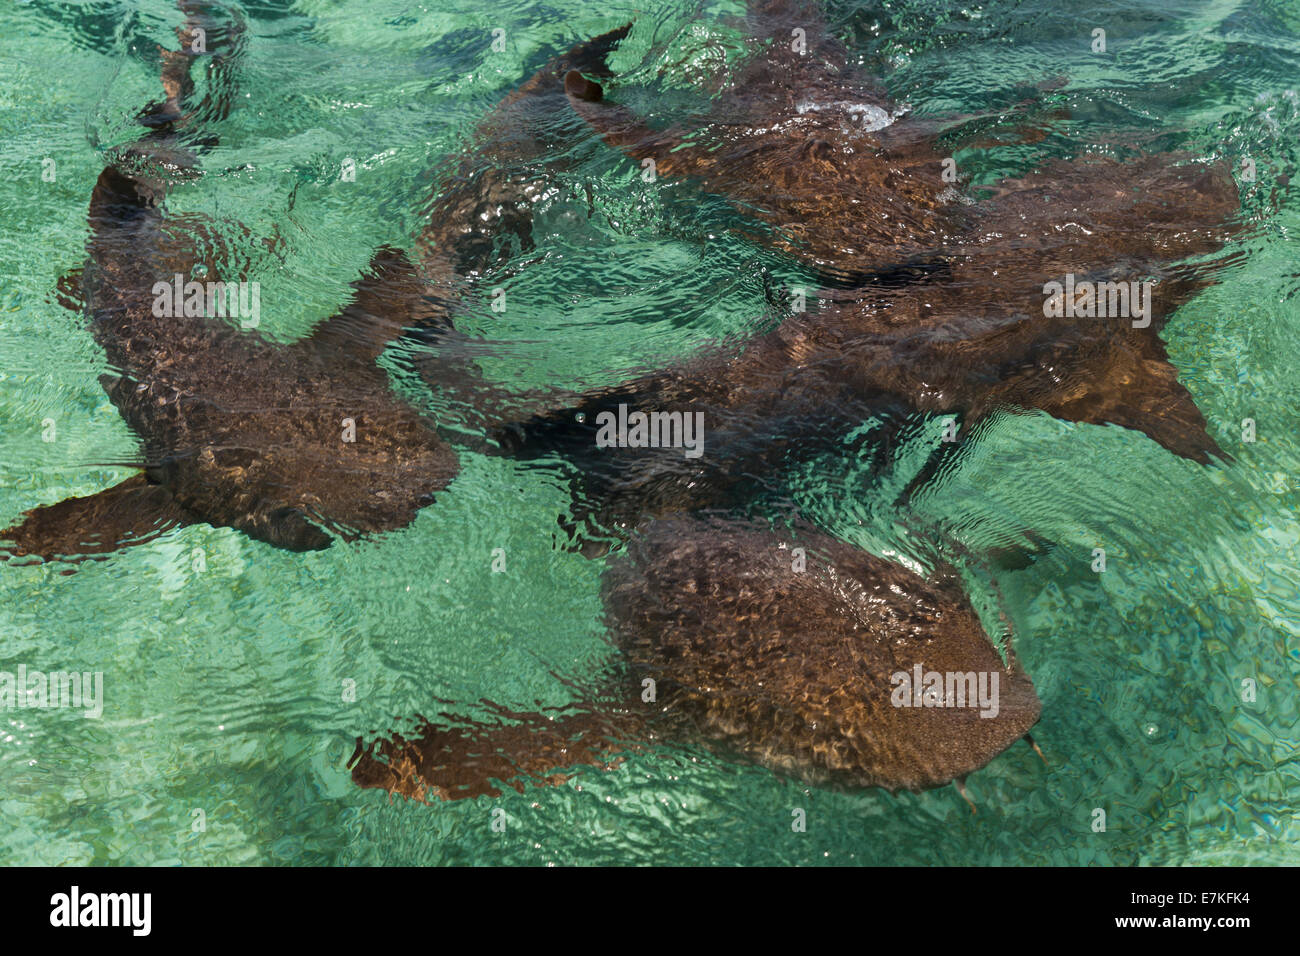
[(223, 685)]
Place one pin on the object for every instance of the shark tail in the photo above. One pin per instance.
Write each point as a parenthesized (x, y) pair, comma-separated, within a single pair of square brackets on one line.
[(211, 29)]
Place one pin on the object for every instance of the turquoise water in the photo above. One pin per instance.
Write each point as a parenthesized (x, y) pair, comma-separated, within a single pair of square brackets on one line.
[(222, 677)]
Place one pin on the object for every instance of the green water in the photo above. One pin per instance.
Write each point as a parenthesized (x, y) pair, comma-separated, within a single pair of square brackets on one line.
[(223, 677)]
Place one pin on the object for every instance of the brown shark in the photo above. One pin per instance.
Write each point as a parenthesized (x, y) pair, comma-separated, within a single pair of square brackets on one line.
[(851, 184), (829, 665), (290, 444), (879, 357)]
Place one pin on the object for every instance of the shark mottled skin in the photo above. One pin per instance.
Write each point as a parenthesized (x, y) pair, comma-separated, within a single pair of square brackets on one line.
[(241, 432), (792, 669)]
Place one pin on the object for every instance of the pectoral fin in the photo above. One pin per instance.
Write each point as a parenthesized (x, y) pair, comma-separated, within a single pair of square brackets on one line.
[(1142, 392), (389, 299), (95, 526), (70, 292), (590, 56), (621, 128), (282, 526)]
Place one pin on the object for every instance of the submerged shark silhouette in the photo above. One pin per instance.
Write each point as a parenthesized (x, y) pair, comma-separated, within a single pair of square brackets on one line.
[(290, 444), (729, 641), (939, 303)]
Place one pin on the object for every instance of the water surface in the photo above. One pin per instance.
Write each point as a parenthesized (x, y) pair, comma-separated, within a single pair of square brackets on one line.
[(223, 675)]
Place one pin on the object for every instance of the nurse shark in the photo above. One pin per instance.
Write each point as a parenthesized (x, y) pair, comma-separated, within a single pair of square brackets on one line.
[(776, 644), (293, 444)]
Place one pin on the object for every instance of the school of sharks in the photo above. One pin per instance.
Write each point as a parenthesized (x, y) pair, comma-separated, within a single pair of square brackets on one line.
[(763, 639)]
